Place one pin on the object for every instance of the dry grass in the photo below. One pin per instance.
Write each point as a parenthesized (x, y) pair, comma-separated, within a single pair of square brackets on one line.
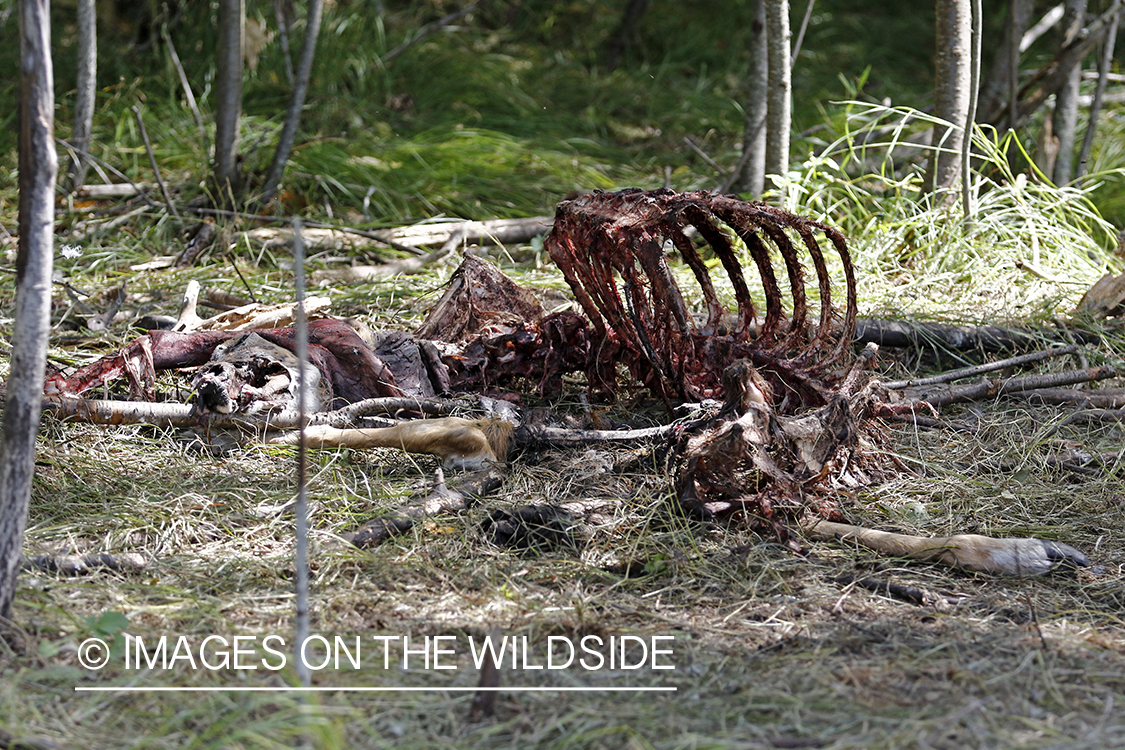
[(770, 649)]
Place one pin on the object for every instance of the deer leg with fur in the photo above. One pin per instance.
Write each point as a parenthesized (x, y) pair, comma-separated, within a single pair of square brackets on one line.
[(459, 443), (969, 551)]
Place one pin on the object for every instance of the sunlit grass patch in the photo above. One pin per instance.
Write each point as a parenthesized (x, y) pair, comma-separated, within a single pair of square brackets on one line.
[(1029, 250)]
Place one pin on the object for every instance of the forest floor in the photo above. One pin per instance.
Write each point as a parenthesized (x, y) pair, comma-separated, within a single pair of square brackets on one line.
[(745, 644)]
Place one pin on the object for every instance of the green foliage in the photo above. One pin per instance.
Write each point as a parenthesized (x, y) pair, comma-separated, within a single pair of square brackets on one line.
[(1028, 247), (510, 110), (107, 624)]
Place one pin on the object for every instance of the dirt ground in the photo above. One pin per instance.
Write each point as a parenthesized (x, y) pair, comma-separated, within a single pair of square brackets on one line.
[(763, 648)]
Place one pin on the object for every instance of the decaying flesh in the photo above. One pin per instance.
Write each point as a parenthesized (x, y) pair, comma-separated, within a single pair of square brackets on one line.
[(349, 367)]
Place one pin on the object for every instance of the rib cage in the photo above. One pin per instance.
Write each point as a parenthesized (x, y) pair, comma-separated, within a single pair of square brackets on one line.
[(602, 240)]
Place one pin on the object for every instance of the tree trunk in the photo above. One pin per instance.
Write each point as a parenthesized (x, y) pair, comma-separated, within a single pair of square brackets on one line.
[(296, 103), (752, 165), (977, 22), (84, 100), (779, 115), (1047, 80), (1065, 118), (951, 91), (228, 97), (1001, 83), (625, 33), (38, 165), (1104, 63)]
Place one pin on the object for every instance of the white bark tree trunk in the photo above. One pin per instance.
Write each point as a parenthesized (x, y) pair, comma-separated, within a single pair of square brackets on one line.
[(84, 100), (1065, 118), (951, 90), (779, 117), (752, 172), (38, 165)]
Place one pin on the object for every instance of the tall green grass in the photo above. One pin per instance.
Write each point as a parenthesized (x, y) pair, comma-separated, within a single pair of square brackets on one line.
[(1029, 249)]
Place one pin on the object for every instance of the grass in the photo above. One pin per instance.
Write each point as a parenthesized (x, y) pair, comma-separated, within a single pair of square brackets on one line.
[(1031, 248), (768, 646)]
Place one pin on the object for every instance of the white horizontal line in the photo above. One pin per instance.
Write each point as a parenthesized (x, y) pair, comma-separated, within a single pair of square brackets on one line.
[(321, 689)]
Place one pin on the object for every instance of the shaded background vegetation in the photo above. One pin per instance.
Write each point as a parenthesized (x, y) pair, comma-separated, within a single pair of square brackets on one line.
[(508, 110)]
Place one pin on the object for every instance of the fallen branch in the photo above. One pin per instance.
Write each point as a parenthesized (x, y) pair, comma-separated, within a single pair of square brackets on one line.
[(1087, 464), (308, 223), (1108, 399), (410, 239), (349, 415), (112, 190), (966, 372), (993, 388), (441, 500), (174, 414), (1099, 415), (77, 564), (915, 420), (498, 232), (158, 414), (562, 437), (403, 267), (901, 334)]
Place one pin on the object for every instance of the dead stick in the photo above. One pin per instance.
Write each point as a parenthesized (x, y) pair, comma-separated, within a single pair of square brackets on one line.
[(441, 500), (991, 388), (1107, 399), (347, 415), (155, 169), (404, 267), (82, 152), (559, 436), (161, 414), (75, 564), (703, 155), (428, 29), (171, 414), (310, 222), (1088, 416), (1094, 464), (968, 372), (188, 95)]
